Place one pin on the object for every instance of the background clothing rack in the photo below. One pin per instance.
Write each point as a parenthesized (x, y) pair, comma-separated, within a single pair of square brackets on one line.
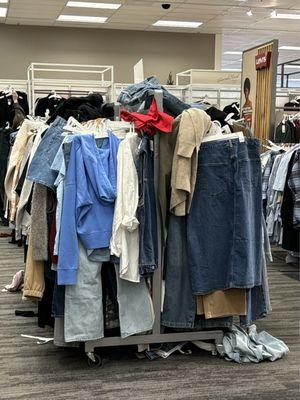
[(69, 79), (156, 336)]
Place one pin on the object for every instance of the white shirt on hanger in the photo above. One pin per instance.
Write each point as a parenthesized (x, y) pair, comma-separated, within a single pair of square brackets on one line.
[(125, 235)]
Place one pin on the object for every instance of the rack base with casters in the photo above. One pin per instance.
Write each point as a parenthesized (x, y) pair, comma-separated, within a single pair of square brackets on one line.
[(95, 361)]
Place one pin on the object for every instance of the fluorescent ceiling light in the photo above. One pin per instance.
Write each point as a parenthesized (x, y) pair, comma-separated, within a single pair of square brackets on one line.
[(3, 12), (289, 48), (178, 24), (233, 52), (274, 14), (83, 4), (4, 1), (82, 18)]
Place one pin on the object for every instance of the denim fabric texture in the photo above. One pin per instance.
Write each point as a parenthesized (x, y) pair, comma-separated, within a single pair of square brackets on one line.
[(84, 307), (40, 168), (224, 225), (58, 302), (179, 311), (134, 95), (146, 212)]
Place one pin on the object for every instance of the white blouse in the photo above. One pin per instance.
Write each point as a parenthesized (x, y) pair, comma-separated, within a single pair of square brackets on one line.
[(125, 233)]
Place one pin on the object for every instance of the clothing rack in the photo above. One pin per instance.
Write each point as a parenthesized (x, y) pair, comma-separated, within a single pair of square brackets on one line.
[(40, 83), (157, 336)]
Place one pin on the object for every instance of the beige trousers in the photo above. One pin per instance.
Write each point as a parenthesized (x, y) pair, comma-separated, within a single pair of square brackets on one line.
[(34, 281)]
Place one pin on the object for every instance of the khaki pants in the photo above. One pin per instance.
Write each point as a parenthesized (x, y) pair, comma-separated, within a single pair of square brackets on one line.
[(222, 303), (34, 281)]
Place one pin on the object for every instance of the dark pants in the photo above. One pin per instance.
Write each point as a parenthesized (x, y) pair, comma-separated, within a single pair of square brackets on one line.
[(146, 212)]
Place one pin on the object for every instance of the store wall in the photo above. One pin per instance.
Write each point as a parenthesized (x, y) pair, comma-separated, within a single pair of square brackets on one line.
[(162, 52)]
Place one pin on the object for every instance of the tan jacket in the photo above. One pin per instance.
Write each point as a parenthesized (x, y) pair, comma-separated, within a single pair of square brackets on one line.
[(194, 124)]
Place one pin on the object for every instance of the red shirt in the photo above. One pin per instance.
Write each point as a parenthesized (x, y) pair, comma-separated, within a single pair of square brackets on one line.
[(154, 121)]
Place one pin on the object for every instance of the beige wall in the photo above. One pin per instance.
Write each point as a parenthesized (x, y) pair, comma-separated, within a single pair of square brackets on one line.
[(162, 52)]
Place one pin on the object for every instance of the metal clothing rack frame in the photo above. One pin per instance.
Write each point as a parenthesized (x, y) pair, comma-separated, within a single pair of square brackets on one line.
[(104, 83), (156, 336), (285, 75)]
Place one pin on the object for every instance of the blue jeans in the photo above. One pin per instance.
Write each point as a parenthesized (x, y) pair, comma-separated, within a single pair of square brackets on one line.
[(84, 307), (40, 168), (134, 95), (224, 225), (179, 310), (146, 212)]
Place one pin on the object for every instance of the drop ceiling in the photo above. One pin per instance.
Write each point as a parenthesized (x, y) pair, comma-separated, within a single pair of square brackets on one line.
[(229, 18)]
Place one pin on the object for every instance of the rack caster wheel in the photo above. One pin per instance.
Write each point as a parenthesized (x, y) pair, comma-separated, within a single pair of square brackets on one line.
[(94, 361)]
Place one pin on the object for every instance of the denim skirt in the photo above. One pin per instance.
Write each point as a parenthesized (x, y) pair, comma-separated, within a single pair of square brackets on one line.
[(224, 232)]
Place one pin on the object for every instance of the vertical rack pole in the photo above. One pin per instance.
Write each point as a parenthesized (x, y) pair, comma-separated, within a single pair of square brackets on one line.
[(157, 277)]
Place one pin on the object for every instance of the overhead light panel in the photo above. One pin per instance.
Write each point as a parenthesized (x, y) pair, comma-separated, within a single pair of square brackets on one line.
[(82, 18), (296, 48), (83, 4), (3, 12), (4, 1), (275, 14), (234, 52), (249, 13), (177, 24)]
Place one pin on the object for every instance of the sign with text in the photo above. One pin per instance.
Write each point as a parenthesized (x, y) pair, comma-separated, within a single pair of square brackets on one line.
[(263, 60)]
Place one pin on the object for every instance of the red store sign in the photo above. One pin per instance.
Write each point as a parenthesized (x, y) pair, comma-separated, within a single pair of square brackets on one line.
[(262, 60)]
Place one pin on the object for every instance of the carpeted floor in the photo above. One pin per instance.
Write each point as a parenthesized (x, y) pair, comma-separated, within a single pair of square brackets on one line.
[(37, 372)]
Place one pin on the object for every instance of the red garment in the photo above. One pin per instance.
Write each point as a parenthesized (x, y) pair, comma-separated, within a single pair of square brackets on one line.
[(151, 122)]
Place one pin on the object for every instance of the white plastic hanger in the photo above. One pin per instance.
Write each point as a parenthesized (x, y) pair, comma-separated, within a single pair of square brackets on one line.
[(54, 95), (73, 126), (216, 134)]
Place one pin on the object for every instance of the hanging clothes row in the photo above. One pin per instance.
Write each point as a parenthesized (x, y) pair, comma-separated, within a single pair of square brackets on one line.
[(86, 200), (288, 129), (281, 194)]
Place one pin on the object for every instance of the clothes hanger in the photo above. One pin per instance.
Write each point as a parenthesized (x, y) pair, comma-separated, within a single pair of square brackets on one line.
[(215, 134), (54, 95), (73, 126)]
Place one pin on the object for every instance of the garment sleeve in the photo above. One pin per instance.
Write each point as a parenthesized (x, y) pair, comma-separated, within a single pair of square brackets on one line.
[(68, 256), (130, 193)]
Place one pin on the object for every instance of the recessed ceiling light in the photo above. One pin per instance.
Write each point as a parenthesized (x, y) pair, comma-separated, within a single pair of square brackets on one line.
[(82, 18), (3, 12), (233, 52), (82, 4), (249, 13), (275, 14), (297, 48), (178, 24)]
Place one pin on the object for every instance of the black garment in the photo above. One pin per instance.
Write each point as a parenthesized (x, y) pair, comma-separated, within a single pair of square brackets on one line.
[(82, 108), (217, 115), (290, 235), (292, 106), (233, 108), (7, 107), (4, 152), (47, 103), (285, 132)]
